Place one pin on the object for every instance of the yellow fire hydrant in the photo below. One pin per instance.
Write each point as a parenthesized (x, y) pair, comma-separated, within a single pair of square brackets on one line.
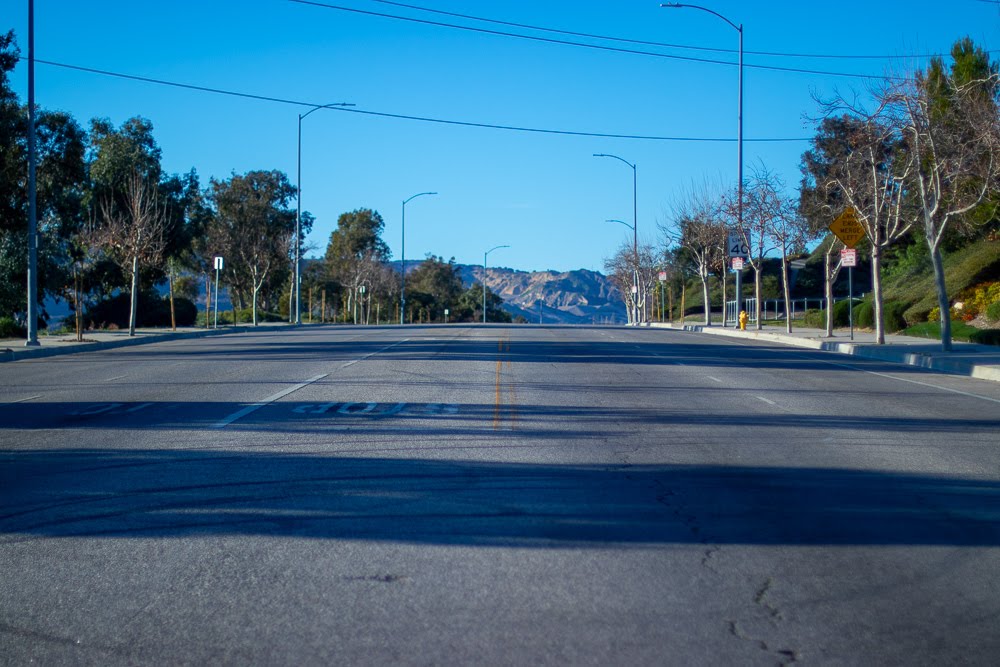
[(743, 320)]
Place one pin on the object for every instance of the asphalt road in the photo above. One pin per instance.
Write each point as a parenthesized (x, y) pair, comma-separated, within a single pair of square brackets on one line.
[(495, 495)]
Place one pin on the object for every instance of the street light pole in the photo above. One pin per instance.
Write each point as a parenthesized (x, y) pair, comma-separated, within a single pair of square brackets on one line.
[(635, 232), (32, 339), (739, 134), (402, 258), (298, 210), (485, 256)]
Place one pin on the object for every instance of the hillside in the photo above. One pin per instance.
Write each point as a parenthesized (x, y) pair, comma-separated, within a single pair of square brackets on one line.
[(572, 297)]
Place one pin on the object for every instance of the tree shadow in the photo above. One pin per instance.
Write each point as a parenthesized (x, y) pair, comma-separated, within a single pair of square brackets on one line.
[(106, 493)]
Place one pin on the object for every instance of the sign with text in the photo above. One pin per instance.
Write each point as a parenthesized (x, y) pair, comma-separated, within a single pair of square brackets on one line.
[(737, 263), (663, 276), (847, 228), (737, 246), (848, 257)]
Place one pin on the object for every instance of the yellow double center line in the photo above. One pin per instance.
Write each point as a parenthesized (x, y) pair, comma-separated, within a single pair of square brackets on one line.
[(503, 349)]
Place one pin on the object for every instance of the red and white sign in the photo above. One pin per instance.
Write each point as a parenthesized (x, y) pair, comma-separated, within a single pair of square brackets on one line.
[(663, 276), (737, 263), (848, 257)]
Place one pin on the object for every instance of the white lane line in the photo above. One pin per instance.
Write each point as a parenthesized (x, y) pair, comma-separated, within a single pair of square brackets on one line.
[(270, 399), (115, 378), (922, 384), (22, 400), (715, 379), (372, 354), (766, 400)]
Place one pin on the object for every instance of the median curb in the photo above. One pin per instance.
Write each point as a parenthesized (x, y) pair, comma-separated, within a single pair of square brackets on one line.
[(58, 348), (956, 363)]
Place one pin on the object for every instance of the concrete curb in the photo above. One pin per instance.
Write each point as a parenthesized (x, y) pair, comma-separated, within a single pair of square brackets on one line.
[(57, 349), (889, 352)]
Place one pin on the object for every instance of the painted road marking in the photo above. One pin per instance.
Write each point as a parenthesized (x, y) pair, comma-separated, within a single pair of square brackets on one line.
[(922, 384), (22, 400), (372, 354), (109, 409), (766, 400), (253, 407), (715, 379), (368, 409), (120, 377), (97, 409)]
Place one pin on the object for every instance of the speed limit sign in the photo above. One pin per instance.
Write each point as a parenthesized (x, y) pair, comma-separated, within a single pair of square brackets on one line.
[(737, 245)]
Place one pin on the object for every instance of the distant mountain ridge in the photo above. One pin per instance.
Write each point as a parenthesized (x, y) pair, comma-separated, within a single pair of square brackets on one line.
[(569, 297)]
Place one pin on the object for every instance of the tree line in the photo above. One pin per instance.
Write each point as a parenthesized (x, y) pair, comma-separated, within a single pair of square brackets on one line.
[(112, 225), (917, 158)]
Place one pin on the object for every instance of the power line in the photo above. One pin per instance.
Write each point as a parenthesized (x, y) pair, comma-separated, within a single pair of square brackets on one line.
[(600, 47), (423, 119), (692, 47)]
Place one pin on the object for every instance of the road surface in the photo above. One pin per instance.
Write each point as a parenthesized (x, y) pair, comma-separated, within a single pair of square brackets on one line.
[(495, 495)]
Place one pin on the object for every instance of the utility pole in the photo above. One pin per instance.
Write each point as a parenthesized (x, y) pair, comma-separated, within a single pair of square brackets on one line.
[(32, 340)]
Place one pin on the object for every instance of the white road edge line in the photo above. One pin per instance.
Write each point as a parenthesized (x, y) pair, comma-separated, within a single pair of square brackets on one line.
[(372, 354), (115, 378), (766, 400), (270, 399), (922, 384), (22, 400), (715, 379)]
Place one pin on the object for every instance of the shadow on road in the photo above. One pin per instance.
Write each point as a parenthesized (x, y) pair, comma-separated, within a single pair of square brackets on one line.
[(120, 494)]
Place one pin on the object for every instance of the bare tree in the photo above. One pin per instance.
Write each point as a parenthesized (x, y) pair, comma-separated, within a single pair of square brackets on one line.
[(761, 206), (789, 232), (952, 131), (698, 230), (132, 232), (871, 178)]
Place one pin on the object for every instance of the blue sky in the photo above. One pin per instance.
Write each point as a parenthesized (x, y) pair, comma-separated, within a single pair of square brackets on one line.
[(544, 195)]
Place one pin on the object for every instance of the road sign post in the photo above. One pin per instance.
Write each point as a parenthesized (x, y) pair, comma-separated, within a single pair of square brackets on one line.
[(738, 249), (218, 267), (847, 228), (849, 258)]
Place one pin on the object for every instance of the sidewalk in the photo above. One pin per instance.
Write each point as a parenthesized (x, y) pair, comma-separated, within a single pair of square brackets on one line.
[(13, 349), (978, 361)]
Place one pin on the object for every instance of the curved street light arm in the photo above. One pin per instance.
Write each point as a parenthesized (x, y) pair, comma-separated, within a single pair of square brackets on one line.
[(402, 258), (622, 222), (678, 5), (615, 157), (325, 106)]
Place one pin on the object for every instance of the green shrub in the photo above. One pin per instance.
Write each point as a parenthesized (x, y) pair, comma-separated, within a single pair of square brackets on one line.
[(841, 314), (9, 328), (864, 315), (993, 312), (815, 319), (986, 337), (893, 315), (153, 312), (245, 316)]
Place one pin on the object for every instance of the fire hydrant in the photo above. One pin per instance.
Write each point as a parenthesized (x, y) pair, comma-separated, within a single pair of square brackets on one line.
[(743, 320)]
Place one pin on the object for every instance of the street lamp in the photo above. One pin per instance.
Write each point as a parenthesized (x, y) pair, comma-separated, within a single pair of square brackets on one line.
[(402, 258), (634, 225), (635, 276), (485, 256), (298, 211), (32, 338), (739, 129)]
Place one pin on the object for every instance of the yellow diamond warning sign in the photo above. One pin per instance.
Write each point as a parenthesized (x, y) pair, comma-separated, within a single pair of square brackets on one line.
[(847, 228)]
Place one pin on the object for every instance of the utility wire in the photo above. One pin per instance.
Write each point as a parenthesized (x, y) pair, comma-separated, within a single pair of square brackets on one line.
[(423, 119), (600, 47), (828, 56)]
